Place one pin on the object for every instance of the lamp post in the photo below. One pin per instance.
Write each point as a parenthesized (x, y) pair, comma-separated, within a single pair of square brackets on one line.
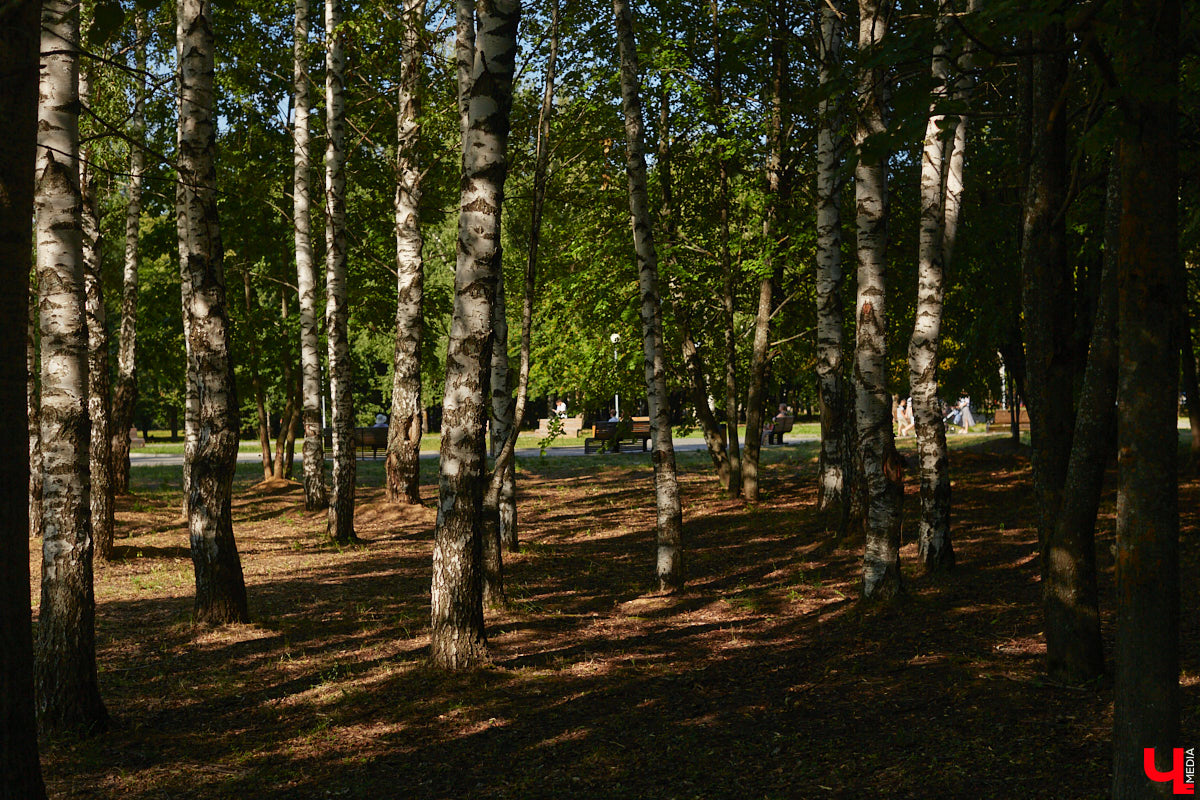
[(616, 339)]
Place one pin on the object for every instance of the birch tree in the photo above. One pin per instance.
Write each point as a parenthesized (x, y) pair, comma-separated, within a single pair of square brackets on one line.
[(877, 452), (124, 389), (315, 495), (20, 771), (100, 446), (68, 693), (669, 527), (458, 638), (220, 587), (337, 312), (938, 221), (404, 431), (33, 402), (836, 460)]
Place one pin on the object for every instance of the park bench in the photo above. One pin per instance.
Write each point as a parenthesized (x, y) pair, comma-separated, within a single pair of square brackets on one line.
[(373, 439), (779, 426), (1002, 420), (572, 426), (135, 440), (631, 431)]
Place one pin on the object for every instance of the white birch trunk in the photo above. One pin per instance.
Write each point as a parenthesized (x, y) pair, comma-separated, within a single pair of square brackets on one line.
[(877, 453), (933, 529), (220, 587), (33, 403), (458, 639), (669, 562), (836, 462), (404, 430), (100, 448), (68, 695), (337, 312), (316, 497), (124, 391)]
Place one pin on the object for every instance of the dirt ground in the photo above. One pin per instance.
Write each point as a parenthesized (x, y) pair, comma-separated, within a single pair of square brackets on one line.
[(766, 678)]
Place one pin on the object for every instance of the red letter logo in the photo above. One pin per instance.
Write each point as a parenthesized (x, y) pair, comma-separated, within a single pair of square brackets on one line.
[(1177, 774)]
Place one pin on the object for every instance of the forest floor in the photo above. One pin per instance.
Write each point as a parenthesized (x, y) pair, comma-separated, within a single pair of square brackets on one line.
[(765, 678)]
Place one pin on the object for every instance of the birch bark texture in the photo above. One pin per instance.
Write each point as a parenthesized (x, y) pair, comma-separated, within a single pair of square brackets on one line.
[(877, 451), (100, 447), (404, 429), (669, 569), (220, 587), (504, 460), (1146, 697), (124, 389), (934, 545), (68, 693), (316, 497), (33, 402), (458, 638), (20, 771), (835, 462), (340, 526)]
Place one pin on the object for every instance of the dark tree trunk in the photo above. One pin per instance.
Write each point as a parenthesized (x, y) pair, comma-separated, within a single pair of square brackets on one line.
[(772, 264), (1146, 696), (1049, 324), (20, 772), (33, 402), (1071, 599)]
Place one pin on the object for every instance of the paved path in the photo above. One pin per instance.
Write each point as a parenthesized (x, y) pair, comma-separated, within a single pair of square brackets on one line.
[(141, 458)]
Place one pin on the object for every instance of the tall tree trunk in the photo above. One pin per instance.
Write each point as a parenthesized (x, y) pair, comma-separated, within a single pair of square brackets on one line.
[(714, 432), (500, 490), (458, 638), (877, 451), (772, 262), (1146, 696), (669, 563), (124, 390), (504, 460), (33, 402), (191, 402), (315, 495), (260, 401), (729, 284), (337, 311), (836, 463), (1069, 591), (100, 448), (220, 587), (404, 432), (68, 694), (20, 771), (933, 530), (290, 418), (1048, 302)]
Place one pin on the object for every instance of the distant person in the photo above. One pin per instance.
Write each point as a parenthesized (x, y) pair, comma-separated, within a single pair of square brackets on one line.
[(560, 409), (612, 415), (780, 421), (381, 421), (964, 414), (905, 424)]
